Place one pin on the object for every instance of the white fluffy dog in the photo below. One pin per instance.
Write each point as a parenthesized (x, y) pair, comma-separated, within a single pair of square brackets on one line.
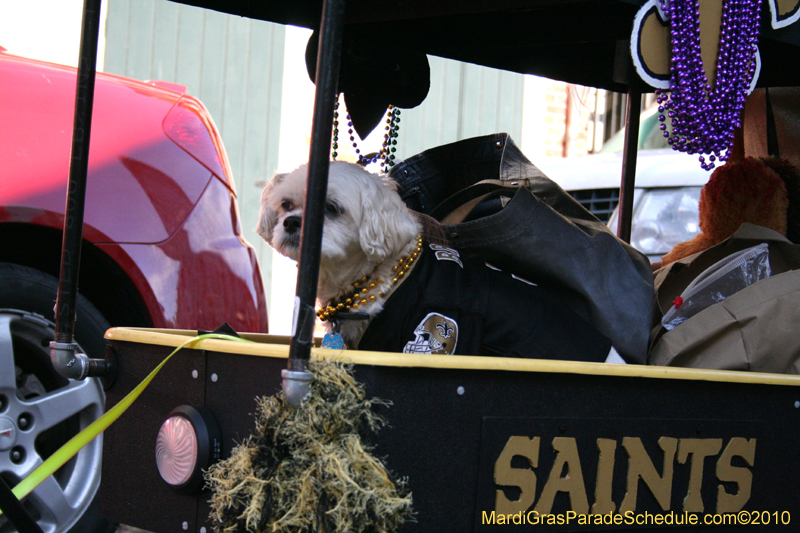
[(442, 303), (367, 229)]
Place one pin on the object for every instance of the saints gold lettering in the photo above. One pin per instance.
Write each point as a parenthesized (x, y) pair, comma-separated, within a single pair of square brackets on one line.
[(524, 478), (571, 482), (603, 504), (743, 477), (640, 466), (699, 449), (566, 476)]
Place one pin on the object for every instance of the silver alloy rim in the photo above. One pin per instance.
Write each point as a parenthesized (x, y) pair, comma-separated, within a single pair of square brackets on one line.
[(34, 409)]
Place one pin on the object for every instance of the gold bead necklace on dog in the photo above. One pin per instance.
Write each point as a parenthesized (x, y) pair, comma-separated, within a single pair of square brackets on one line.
[(360, 295)]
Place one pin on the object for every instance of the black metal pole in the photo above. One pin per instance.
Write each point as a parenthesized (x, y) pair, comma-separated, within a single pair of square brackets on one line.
[(633, 109), (78, 168), (15, 512), (327, 78), (63, 350)]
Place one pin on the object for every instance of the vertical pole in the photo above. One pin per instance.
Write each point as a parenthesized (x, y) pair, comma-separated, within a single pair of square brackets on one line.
[(15, 512), (63, 350), (78, 168), (632, 111), (296, 382)]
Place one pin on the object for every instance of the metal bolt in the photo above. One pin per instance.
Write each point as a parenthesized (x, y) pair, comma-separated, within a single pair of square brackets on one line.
[(195, 374), (214, 378), (185, 526), (796, 405), (24, 421), (460, 391), (202, 530), (17, 455)]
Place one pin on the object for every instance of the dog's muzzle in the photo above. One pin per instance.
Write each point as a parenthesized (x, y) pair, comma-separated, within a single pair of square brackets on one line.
[(292, 224)]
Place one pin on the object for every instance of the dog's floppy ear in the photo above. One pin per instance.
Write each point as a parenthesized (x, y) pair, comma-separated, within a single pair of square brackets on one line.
[(268, 217), (386, 225)]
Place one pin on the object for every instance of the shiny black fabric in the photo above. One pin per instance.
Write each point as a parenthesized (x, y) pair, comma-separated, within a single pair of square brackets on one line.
[(538, 232), (494, 314)]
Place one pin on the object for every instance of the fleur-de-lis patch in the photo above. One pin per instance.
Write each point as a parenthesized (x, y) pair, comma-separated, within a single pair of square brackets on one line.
[(445, 329), (436, 334)]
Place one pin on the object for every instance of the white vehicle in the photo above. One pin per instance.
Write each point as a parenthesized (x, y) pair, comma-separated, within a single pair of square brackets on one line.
[(667, 191)]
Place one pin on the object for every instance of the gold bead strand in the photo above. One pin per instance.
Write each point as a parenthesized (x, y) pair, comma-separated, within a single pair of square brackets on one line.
[(360, 295)]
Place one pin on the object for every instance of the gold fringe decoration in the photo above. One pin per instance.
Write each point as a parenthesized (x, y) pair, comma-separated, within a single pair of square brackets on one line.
[(309, 470)]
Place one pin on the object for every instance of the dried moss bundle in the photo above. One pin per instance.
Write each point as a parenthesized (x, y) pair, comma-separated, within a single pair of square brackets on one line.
[(309, 469)]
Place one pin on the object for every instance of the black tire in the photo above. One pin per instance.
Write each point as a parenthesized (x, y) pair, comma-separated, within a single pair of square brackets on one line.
[(27, 299), (30, 290)]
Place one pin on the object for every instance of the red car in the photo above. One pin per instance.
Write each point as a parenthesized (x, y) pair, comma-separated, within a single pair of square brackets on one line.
[(162, 248)]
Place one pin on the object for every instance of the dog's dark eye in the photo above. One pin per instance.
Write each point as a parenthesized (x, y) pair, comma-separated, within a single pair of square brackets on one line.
[(333, 209), (286, 205)]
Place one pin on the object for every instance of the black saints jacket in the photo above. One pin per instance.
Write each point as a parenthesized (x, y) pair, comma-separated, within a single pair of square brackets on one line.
[(453, 305)]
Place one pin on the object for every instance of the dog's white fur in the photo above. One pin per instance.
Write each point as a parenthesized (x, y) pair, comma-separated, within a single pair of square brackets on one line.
[(366, 223)]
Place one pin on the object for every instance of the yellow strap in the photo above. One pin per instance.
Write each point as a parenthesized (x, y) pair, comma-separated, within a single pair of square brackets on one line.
[(76, 443)]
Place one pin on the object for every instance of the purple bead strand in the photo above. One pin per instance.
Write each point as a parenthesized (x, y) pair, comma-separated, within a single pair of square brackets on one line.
[(705, 116)]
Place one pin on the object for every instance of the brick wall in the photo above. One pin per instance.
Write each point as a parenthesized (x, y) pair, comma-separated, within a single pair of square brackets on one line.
[(569, 120)]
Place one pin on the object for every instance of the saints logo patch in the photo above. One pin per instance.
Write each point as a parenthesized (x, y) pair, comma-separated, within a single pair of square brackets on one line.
[(436, 334)]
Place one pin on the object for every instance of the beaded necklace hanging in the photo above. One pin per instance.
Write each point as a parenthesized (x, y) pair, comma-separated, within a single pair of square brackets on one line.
[(704, 118), (388, 148)]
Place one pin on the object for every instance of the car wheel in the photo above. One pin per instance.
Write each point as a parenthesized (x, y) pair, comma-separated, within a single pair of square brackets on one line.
[(40, 410)]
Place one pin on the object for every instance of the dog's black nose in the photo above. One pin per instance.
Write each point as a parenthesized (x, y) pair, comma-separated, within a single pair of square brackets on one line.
[(292, 224)]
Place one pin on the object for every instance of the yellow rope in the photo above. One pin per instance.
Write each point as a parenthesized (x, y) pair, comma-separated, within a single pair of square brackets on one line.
[(76, 443)]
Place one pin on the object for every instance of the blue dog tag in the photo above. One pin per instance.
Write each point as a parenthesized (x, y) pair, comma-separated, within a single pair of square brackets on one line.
[(333, 341)]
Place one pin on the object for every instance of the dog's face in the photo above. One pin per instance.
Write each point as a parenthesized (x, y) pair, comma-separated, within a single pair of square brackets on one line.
[(365, 219)]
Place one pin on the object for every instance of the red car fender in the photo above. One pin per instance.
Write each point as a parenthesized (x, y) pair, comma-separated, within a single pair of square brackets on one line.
[(159, 198), (201, 276)]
